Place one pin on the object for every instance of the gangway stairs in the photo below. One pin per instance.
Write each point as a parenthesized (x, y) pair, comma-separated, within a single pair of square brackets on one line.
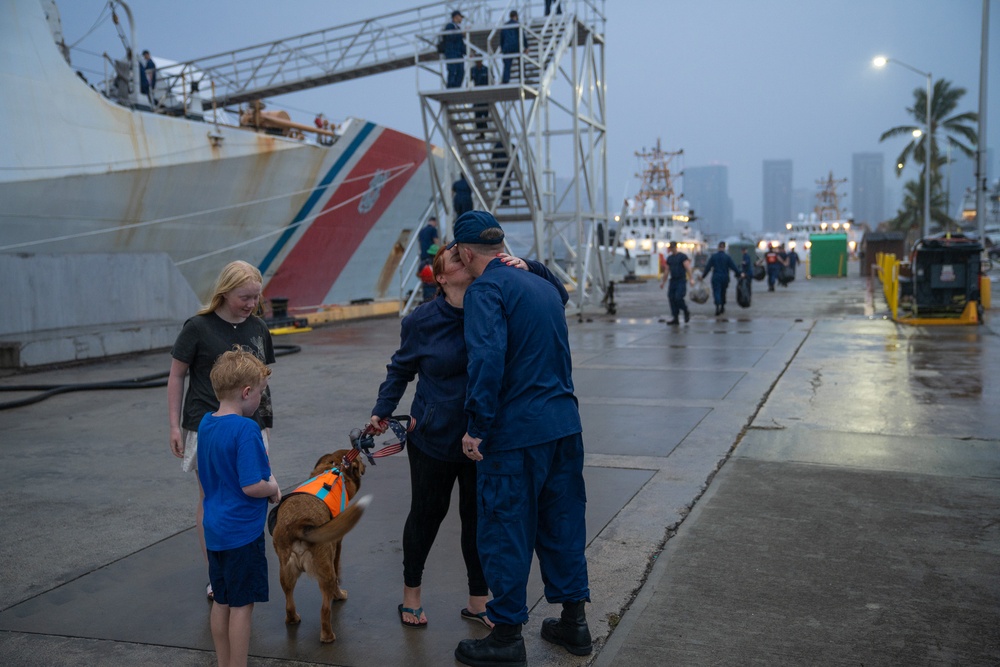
[(507, 139)]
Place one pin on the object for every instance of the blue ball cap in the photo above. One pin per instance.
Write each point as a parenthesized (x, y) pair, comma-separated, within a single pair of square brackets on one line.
[(470, 226)]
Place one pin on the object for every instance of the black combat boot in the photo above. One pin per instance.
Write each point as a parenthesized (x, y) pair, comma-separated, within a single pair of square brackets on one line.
[(503, 647), (570, 630)]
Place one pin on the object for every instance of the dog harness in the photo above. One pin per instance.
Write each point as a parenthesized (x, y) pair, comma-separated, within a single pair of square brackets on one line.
[(329, 487)]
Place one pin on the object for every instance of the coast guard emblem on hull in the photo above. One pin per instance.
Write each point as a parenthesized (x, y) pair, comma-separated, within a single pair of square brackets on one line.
[(367, 202)]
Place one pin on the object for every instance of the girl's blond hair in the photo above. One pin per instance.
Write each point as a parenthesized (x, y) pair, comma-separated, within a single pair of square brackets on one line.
[(233, 275)]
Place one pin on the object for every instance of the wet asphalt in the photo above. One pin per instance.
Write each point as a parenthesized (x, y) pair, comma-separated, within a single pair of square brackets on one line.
[(799, 483)]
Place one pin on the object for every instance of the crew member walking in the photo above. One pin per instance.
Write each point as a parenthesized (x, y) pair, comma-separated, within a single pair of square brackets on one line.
[(678, 270), (719, 265)]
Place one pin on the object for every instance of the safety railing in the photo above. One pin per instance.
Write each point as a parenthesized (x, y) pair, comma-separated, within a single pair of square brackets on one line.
[(888, 272)]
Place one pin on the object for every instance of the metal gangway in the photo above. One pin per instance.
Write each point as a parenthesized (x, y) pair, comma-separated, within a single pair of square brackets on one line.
[(510, 140)]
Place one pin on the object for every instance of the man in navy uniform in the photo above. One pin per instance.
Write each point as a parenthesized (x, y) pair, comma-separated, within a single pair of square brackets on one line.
[(454, 48), (147, 77), (719, 265), (678, 270), (510, 44), (524, 431)]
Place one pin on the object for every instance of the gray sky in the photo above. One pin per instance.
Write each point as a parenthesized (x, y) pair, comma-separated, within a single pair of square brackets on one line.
[(732, 82)]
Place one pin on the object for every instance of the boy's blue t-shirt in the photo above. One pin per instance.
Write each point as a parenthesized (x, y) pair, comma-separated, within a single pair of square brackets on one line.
[(231, 455)]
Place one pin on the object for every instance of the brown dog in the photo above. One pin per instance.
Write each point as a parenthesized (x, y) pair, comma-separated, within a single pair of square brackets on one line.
[(308, 540)]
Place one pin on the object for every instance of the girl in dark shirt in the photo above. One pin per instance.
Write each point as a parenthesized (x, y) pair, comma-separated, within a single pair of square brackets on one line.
[(229, 319)]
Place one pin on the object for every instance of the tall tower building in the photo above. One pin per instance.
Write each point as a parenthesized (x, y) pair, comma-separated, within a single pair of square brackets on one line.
[(707, 190), (868, 189), (777, 194)]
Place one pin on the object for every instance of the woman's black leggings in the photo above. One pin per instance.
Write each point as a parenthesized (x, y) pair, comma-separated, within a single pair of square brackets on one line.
[(431, 483)]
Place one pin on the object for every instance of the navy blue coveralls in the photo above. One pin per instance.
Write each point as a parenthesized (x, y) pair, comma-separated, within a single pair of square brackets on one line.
[(719, 265), (773, 268), (510, 43), (454, 47), (520, 402), (462, 196), (677, 287), (426, 238)]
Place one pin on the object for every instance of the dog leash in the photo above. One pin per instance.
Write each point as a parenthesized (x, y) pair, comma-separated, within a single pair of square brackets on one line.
[(363, 439)]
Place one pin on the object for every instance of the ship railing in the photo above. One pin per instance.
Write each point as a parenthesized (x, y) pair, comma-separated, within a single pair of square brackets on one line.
[(547, 38), (321, 57)]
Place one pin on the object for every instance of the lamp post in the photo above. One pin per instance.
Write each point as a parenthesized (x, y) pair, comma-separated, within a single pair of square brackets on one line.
[(881, 61)]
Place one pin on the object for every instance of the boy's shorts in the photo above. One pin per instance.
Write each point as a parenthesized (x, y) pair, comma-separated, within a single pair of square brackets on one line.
[(239, 576), (190, 461)]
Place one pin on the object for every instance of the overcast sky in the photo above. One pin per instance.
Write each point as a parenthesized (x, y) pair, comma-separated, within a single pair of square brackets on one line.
[(731, 82)]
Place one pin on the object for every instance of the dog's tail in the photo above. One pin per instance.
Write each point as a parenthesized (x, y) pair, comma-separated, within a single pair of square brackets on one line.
[(336, 528)]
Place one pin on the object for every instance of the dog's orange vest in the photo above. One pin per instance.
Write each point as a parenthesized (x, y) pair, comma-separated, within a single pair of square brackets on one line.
[(329, 487)]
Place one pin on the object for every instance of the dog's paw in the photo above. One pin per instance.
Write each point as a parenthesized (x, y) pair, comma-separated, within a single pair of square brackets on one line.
[(292, 619), (327, 638)]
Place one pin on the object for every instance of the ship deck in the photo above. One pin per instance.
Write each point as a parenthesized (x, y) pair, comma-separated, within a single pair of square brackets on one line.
[(827, 481)]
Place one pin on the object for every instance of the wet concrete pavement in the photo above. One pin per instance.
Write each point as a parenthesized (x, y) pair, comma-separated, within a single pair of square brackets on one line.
[(827, 481)]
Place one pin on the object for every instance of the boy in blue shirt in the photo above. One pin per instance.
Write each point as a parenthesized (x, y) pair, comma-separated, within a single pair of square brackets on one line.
[(236, 476)]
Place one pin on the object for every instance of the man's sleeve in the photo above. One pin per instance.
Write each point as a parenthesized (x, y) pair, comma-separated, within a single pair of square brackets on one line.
[(542, 271), (486, 342)]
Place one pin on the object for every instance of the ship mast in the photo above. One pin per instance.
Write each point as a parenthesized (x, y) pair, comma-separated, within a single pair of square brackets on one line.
[(657, 179), (828, 199)]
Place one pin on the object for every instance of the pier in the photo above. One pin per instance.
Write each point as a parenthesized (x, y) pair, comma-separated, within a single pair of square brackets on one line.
[(803, 482)]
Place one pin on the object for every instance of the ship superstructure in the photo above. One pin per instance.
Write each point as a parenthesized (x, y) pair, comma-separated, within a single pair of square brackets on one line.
[(656, 215)]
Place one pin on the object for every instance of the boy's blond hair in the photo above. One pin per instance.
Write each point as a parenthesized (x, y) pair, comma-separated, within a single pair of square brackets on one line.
[(236, 369)]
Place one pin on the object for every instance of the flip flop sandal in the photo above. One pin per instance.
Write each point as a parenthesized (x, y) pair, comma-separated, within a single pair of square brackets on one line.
[(416, 613), (476, 618)]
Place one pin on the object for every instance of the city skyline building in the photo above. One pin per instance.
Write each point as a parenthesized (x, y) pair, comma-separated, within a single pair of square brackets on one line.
[(803, 202), (777, 195), (707, 190), (867, 204)]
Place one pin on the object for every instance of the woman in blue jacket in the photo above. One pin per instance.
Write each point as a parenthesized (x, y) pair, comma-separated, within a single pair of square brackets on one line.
[(432, 349)]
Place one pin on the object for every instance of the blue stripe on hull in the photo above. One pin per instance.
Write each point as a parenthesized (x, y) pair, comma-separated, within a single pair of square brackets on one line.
[(317, 194)]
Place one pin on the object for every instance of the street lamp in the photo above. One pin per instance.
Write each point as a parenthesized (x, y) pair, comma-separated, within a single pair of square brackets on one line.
[(880, 62)]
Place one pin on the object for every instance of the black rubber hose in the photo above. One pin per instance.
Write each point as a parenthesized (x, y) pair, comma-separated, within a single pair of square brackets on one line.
[(144, 382)]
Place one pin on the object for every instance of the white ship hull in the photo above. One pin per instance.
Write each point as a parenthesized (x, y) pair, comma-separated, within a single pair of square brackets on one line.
[(80, 173)]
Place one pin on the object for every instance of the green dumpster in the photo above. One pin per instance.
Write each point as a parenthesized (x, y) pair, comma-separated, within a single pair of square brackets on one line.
[(828, 255)]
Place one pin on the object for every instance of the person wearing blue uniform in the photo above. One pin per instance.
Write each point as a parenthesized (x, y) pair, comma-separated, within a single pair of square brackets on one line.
[(147, 77), (773, 265), (432, 349), (428, 239), (719, 265), (793, 260), (480, 75), (510, 44), (461, 196), (454, 49), (678, 271), (524, 430)]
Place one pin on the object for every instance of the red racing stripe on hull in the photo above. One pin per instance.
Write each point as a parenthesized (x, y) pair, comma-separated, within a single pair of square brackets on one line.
[(311, 268)]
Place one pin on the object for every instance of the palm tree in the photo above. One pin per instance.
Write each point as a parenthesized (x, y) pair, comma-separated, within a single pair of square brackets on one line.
[(910, 214), (944, 100)]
